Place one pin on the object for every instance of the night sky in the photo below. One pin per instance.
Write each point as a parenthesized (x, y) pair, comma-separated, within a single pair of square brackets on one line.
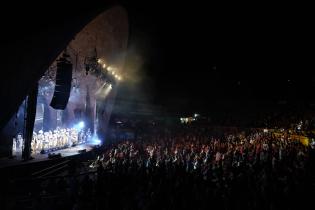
[(200, 56), (265, 55)]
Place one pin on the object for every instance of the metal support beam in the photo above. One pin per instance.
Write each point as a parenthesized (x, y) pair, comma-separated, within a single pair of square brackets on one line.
[(29, 121)]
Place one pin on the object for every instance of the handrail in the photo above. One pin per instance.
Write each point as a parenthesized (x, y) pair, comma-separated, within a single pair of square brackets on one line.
[(57, 176), (53, 166), (57, 169)]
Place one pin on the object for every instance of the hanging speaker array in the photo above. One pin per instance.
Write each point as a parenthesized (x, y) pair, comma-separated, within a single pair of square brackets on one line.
[(63, 83)]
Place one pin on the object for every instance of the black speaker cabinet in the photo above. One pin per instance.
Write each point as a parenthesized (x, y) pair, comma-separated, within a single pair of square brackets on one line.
[(63, 85)]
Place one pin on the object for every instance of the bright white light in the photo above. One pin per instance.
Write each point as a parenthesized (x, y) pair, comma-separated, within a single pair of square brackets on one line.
[(95, 140), (104, 65), (81, 125), (99, 60)]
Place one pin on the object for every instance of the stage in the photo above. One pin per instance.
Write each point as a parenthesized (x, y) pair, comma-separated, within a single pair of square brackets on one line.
[(70, 151)]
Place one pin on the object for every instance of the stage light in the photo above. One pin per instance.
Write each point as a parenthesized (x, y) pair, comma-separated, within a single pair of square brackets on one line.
[(81, 125), (104, 65), (99, 60), (95, 140), (104, 91)]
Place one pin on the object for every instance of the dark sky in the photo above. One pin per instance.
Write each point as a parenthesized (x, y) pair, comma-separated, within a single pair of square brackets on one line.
[(179, 48), (199, 55)]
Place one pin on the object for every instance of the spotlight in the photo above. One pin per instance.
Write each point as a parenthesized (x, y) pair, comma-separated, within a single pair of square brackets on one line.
[(95, 140), (81, 125), (111, 68), (99, 60), (104, 65)]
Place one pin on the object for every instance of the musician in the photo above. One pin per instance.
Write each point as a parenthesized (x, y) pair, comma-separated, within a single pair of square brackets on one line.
[(20, 143), (14, 147), (40, 140), (34, 142)]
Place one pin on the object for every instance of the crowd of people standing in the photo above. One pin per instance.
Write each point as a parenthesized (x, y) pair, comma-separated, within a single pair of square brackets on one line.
[(192, 169)]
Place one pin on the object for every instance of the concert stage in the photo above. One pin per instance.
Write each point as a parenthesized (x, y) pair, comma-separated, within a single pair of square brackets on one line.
[(70, 151)]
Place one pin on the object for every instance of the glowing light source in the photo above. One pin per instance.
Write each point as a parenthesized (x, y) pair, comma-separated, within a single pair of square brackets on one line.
[(79, 126), (104, 65), (99, 60), (95, 140)]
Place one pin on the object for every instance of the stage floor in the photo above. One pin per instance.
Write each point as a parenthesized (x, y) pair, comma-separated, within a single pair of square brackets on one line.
[(8, 162)]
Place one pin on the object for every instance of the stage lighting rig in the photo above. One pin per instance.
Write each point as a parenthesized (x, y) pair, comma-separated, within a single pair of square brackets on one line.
[(91, 63)]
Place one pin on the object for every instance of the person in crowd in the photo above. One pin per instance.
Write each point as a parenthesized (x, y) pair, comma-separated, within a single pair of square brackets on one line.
[(195, 167)]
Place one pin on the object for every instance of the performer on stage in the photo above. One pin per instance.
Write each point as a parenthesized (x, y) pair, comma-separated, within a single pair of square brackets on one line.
[(40, 139), (54, 139), (46, 140), (20, 143), (34, 143), (50, 140), (14, 147), (88, 135)]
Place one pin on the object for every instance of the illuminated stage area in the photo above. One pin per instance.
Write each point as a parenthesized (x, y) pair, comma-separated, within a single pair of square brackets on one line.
[(38, 157), (71, 102)]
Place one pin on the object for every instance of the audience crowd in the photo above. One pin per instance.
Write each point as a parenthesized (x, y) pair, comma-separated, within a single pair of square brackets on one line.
[(189, 167)]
